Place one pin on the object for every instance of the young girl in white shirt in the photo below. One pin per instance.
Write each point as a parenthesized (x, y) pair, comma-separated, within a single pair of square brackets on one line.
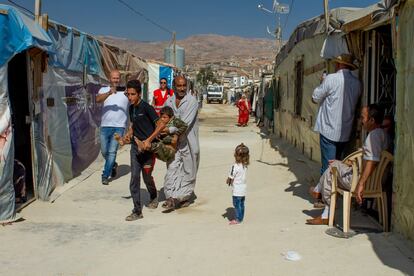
[(237, 179)]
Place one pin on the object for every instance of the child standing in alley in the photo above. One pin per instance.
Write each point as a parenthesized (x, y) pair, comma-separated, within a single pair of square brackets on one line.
[(237, 179)]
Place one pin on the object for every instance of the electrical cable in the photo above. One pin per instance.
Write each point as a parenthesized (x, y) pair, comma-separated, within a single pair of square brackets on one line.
[(146, 18), (21, 7)]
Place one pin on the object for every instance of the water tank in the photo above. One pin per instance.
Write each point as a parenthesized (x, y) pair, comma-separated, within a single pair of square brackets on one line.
[(179, 55)]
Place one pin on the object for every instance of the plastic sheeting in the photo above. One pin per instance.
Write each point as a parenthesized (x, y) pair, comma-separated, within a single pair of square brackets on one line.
[(70, 120), (334, 45), (55, 123), (18, 32), (7, 205), (403, 211), (84, 117), (299, 129), (130, 66), (66, 117), (75, 51), (338, 17), (66, 130), (269, 101)]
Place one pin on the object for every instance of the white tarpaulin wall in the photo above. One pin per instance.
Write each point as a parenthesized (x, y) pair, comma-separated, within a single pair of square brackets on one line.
[(7, 204), (155, 73)]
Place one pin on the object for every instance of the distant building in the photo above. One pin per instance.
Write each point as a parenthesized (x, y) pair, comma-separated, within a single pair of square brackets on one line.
[(227, 81), (179, 56), (239, 81)]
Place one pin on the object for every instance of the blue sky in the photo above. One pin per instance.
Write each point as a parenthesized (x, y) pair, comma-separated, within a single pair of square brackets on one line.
[(186, 17)]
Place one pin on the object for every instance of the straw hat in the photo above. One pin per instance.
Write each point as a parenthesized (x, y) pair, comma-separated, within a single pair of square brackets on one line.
[(346, 59)]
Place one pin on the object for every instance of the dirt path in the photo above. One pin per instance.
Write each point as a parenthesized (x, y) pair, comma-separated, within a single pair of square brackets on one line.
[(84, 232)]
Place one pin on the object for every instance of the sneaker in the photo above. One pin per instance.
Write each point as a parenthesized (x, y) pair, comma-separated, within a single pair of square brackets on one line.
[(105, 181), (114, 170), (134, 216), (153, 204)]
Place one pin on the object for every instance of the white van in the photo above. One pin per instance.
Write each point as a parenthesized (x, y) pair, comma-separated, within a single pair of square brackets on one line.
[(215, 93)]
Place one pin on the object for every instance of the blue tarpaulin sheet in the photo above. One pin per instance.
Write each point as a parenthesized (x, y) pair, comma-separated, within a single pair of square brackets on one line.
[(19, 32), (73, 52)]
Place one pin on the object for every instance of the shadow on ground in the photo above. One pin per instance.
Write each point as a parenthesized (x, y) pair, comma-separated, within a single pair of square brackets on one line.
[(305, 170), (307, 174), (230, 214), (122, 171)]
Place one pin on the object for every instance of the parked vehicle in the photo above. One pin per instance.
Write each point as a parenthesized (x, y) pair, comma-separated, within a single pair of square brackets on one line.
[(215, 93)]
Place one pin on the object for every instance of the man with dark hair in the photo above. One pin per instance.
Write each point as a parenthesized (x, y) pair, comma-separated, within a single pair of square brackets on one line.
[(161, 95), (143, 119), (376, 141)]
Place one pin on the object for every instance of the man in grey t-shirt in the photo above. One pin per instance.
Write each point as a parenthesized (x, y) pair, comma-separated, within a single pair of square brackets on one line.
[(376, 141)]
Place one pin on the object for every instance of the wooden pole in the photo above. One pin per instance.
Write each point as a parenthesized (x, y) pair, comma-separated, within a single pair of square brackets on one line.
[(174, 49), (38, 9), (326, 9), (45, 21)]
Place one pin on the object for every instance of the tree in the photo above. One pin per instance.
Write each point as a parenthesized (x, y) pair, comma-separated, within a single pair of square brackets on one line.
[(206, 76)]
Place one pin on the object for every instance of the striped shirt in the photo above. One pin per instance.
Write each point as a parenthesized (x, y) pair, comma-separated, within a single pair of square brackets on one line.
[(338, 96)]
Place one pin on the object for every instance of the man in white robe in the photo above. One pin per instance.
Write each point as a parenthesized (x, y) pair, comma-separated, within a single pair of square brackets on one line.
[(181, 175)]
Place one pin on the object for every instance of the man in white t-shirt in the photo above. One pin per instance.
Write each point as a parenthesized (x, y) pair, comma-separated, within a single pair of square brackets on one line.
[(114, 119), (376, 141)]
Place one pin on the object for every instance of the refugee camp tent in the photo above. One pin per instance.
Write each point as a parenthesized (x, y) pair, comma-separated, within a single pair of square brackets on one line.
[(299, 67), (17, 33), (380, 37), (49, 81)]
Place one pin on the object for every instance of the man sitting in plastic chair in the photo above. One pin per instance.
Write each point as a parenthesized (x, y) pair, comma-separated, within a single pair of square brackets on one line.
[(376, 141)]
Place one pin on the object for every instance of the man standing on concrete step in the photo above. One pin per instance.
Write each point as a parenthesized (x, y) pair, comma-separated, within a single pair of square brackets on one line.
[(338, 96), (114, 119)]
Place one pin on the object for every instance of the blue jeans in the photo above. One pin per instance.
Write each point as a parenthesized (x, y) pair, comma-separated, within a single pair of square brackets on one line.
[(238, 203), (109, 146), (330, 150)]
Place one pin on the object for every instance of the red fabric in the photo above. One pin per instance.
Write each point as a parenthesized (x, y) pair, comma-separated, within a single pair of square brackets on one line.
[(244, 110), (159, 100), (148, 168)]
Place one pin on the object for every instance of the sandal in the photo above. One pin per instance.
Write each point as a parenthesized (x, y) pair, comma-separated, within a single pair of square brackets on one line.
[(170, 203), (165, 204)]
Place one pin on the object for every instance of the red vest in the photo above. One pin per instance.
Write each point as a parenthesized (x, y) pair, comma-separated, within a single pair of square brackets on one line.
[(159, 100)]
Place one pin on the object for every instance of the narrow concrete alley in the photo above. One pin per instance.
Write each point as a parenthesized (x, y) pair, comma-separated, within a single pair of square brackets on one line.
[(84, 232)]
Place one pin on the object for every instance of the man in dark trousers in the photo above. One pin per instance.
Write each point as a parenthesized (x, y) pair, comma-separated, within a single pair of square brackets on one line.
[(142, 117)]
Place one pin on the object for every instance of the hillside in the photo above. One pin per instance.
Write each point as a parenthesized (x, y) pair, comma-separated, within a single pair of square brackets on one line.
[(201, 49)]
